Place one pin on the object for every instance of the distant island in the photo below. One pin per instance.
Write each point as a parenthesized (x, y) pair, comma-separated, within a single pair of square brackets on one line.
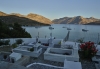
[(25, 20), (77, 20)]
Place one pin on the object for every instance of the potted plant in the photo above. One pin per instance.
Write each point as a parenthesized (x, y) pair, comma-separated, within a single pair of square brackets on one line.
[(88, 50), (32, 49)]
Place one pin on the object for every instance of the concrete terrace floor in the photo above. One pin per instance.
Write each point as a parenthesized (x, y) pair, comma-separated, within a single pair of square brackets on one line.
[(6, 65), (88, 64), (5, 48)]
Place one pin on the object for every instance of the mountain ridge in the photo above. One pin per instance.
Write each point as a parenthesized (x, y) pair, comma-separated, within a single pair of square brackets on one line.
[(29, 18), (75, 20), (35, 19)]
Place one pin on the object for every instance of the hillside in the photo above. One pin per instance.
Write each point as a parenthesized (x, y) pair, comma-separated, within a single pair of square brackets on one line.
[(74, 20), (30, 19), (14, 31), (94, 23)]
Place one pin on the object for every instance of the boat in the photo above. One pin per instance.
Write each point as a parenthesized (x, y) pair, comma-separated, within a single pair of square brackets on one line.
[(63, 27), (68, 28), (37, 26), (51, 27), (84, 30)]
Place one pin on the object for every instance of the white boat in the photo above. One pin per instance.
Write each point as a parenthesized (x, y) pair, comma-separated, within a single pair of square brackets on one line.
[(68, 28), (51, 27), (63, 27), (84, 30), (37, 26)]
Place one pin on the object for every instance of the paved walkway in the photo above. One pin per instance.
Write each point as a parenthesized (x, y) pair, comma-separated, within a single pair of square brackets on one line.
[(88, 64), (37, 66)]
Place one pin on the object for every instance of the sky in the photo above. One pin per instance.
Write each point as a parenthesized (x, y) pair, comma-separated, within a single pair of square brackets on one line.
[(53, 9)]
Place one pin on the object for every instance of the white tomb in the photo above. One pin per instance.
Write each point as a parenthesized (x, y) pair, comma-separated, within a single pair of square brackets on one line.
[(14, 57), (25, 50), (72, 65), (59, 54)]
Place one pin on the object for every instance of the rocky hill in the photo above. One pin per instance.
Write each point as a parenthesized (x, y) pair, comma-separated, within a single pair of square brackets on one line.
[(75, 20), (2, 13), (38, 18), (30, 19)]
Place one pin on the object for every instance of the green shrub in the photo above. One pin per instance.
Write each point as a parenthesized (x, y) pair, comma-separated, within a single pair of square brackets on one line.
[(7, 42), (19, 41), (14, 45), (59, 43), (4, 42)]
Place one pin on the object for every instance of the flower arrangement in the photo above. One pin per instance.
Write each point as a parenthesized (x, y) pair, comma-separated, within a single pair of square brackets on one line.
[(88, 49)]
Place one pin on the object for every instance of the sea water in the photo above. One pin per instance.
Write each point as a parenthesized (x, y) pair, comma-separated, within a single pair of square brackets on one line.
[(60, 31)]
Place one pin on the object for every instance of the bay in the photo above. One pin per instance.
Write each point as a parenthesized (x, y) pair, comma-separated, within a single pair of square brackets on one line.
[(59, 32)]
